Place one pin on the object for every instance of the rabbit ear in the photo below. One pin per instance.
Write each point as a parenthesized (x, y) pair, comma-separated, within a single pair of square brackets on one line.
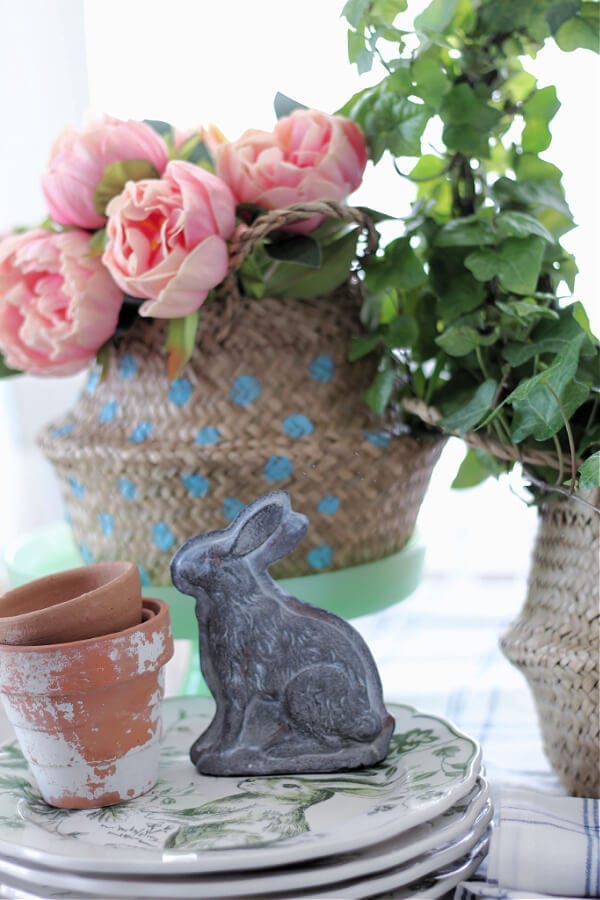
[(257, 529)]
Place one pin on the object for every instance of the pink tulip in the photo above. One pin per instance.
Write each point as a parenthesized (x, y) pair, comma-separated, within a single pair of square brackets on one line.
[(167, 238), (78, 160), (58, 304), (309, 156)]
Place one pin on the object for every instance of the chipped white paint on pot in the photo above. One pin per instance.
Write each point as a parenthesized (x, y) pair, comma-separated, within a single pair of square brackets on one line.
[(87, 714)]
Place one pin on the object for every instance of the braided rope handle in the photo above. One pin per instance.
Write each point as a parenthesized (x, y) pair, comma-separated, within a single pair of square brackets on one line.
[(246, 237), (511, 452)]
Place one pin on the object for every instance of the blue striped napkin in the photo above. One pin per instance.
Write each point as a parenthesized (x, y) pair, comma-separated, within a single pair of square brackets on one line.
[(542, 845)]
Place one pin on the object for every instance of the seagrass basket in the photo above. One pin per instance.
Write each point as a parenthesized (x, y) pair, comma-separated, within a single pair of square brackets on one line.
[(555, 641), (268, 400)]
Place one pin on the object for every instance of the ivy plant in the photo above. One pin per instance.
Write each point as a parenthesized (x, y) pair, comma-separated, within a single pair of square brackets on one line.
[(470, 306)]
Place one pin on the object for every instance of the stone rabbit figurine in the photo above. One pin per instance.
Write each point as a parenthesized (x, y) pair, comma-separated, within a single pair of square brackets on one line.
[(296, 687)]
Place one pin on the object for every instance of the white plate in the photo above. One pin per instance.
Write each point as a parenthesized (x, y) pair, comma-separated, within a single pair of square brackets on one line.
[(432, 884), (408, 857), (192, 824)]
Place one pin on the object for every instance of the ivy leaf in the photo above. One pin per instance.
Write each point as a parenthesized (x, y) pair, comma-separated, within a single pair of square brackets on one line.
[(469, 231), (380, 392), (180, 342), (541, 403), (538, 110), (472, 410), (457, 290), (462, 338), (520, 224), (581, 30), (284, 105), (361, 345), (436, 17), (404, 122), (428, 168), (547, 337), (516, 263), (589, 473), (401, 332), (468, 121), (115, 177), (431, 84), (476, 466), (398, 266), (300, 249), (358, 52)]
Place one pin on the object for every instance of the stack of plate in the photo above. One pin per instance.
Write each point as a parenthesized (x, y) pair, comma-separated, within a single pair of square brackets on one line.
[(413, 826)]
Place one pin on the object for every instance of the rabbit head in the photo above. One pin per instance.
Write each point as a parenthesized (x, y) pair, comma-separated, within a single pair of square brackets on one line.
[(263, 532)]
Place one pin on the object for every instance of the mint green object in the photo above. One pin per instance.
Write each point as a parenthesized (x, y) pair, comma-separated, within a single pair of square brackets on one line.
[(352, 592)]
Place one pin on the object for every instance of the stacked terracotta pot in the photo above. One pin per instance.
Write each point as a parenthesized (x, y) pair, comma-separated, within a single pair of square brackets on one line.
[(82, 659)]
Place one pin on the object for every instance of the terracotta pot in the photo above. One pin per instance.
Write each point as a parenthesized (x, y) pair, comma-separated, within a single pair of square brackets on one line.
[(87, 713), (80, 603)]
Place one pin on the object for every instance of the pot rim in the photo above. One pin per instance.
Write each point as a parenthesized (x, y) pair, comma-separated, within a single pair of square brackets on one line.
[(65, 578), (157, 611)]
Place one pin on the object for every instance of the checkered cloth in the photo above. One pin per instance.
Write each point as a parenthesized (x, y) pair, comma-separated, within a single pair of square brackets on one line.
[(438, 650)]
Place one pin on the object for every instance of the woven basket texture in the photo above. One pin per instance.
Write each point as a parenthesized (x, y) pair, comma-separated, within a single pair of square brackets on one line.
[(267, 401), (555, 641)]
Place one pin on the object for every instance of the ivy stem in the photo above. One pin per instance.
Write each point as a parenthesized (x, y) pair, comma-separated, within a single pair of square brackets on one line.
[(561, 460), (569, 436)]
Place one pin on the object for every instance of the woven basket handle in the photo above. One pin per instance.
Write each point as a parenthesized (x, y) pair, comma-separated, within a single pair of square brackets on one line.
[(246, 237), (510, 452)]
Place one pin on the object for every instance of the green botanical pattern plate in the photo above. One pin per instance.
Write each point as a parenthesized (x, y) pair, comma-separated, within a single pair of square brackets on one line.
[(190, 823)]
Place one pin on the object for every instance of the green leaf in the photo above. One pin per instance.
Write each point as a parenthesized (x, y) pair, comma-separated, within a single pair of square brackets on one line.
[(471, 412), (470, 231), (516, 263), (461, 338), (399, 266), (196, 151), (380, 392), (539, 414), (431, 84), (163, 128), (291, 280), (581, 31), (6, 371), (362, 344), (581, 317), (97, 242), (358, 52), (589, 473), (285, 105), (468, 121), (300, 249), (115, 177), (541, 403), (428, 168), (436, 17), (402, 332), (180, 342), (402, 127), (476, 466), (547, 337), (457, 290), (538, 110), (543, 104), (520, 224)]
